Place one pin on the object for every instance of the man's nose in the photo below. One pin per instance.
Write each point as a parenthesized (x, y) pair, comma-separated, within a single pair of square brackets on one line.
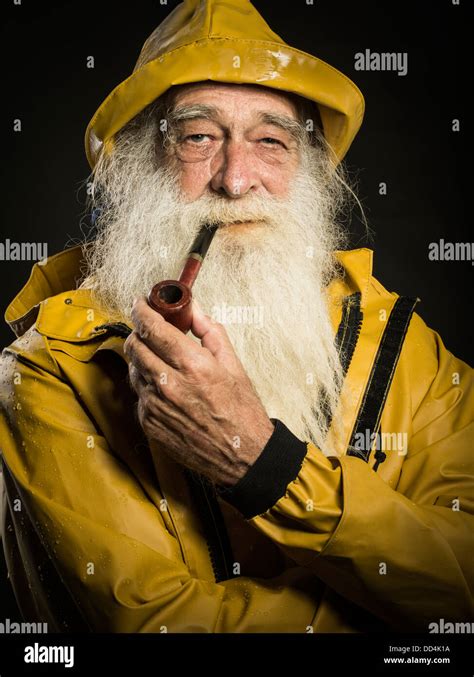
[(235, 173)]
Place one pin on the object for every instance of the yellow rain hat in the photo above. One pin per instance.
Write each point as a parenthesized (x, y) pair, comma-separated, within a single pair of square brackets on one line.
[(226, 41)]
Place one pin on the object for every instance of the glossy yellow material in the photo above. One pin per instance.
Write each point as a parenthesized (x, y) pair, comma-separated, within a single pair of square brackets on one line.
[(385, 549), (226, 42)]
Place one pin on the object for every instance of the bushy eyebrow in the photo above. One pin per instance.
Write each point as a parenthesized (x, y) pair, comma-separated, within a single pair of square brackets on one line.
[(193, 111), (289, 125), (208, 112)]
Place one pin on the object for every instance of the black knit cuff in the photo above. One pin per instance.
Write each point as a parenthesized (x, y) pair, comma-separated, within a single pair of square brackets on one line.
[(265, 482)]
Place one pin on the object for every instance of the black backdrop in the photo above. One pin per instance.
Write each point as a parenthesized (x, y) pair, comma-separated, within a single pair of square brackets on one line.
[(406, 139)]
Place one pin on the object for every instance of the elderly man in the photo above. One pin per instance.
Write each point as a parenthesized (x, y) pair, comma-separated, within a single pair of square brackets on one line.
[(300, 461)]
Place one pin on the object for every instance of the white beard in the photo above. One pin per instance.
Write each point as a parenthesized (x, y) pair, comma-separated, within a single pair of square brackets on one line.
[(265, 282)]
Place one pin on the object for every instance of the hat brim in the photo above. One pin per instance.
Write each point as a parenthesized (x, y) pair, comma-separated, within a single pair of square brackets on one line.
[(239, 61)]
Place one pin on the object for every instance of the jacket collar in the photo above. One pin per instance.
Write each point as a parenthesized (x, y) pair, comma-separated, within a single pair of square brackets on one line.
[(61, 311)]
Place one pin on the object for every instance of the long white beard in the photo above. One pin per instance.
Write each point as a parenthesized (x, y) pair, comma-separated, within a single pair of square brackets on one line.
[(265, 282)]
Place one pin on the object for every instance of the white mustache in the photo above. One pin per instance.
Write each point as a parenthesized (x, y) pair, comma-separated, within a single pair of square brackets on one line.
[(222, 211)]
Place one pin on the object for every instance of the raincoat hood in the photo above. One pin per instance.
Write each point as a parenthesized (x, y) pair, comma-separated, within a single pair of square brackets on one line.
[(226, 42)]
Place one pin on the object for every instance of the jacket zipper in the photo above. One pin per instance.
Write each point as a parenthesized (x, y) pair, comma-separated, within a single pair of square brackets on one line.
[(349, 329), (217, 538), (347, 335), (115, 328)]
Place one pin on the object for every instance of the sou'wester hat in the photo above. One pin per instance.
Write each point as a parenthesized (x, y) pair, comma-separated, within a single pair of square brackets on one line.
[(226, 42)]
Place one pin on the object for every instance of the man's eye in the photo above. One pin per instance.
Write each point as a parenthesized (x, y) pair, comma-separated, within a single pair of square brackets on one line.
[(270, 141), (196, 138)]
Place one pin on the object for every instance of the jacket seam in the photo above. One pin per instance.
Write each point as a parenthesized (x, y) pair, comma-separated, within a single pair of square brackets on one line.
[(28, 362)]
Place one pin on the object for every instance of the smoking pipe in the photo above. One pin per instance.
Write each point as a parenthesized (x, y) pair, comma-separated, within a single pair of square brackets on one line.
[(172, 298)]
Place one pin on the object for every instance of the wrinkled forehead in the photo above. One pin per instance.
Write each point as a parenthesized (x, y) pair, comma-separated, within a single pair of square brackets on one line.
[(222, 94)]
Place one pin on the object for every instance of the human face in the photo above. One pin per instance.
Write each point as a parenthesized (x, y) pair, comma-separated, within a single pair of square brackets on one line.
[(234, 140)]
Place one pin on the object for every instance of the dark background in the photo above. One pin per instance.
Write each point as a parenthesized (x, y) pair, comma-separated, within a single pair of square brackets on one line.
[(405, 140)]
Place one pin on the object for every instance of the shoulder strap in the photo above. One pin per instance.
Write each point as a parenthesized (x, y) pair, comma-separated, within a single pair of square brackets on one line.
[(381, 376)]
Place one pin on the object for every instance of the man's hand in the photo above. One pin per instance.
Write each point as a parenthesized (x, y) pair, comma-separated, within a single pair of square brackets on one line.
[(195, 400)]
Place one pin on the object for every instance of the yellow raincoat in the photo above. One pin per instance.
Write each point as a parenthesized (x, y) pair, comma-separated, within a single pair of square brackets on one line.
[(106, 533)]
